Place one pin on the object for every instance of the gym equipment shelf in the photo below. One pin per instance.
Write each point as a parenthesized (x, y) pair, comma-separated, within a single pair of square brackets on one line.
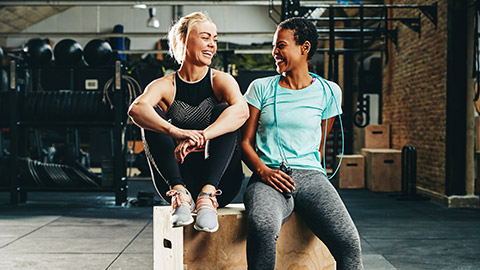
[(16, 126), (65, 124)]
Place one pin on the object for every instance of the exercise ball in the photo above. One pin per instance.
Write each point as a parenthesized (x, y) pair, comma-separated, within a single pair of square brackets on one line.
[(67, 52), (37, 51), (97, 52)]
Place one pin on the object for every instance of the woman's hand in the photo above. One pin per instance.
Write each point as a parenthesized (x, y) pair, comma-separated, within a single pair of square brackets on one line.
[(279, 180), (184, 148), (196, 136)]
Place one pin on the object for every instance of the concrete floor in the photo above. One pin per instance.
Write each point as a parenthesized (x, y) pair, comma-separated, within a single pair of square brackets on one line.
[(87, 231)]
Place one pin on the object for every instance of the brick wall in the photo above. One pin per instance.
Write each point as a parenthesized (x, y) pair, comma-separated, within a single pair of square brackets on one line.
[(414, 92)]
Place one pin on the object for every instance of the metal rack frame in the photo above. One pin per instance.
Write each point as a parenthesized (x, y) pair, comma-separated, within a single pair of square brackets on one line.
[(360, 33), (19, 193)]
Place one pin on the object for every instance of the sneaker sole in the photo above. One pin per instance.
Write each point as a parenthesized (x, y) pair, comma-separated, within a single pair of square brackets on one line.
[(183, 224), (205, 229)]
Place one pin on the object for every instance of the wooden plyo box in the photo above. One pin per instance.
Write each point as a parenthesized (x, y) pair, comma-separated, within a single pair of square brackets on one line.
[(383, 169), (477, 133), (351, 173), (187, 249), (377, 136)]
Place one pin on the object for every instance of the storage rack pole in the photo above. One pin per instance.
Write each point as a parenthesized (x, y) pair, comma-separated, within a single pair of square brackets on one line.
[(13, 96), (119, 166), (333, 76)]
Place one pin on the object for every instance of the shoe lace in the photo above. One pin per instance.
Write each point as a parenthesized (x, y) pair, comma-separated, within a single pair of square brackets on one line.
[(208, 201), (178, 198)]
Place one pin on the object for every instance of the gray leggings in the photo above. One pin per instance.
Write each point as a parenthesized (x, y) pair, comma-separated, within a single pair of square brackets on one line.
[(319, 205)]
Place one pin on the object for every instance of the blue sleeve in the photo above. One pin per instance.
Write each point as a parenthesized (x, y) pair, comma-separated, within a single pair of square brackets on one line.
[(252, 96), (334, 102)]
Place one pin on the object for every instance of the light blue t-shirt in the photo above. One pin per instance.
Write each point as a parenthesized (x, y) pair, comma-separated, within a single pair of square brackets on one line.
[(300, 113)]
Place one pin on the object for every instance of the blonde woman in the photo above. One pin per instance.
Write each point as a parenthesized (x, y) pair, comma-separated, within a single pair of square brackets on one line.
[(189, 122)]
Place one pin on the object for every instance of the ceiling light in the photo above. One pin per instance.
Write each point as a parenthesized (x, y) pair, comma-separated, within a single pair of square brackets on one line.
[(152, 21), (140, 6)]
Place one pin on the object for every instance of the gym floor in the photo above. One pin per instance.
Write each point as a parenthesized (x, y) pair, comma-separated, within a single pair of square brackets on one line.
[(87, 231)]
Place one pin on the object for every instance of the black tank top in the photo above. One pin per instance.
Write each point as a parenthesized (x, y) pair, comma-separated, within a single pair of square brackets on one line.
[(193, 103)]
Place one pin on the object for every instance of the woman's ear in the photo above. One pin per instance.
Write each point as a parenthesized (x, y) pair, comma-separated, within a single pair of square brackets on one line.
[(306, 46)]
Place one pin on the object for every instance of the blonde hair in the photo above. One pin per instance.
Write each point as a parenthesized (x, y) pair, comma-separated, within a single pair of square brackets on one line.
[(178, 34)]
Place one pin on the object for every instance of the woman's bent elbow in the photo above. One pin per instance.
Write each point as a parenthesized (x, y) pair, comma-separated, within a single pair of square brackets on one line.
[(244, 115), (133, 110), (245, 144)]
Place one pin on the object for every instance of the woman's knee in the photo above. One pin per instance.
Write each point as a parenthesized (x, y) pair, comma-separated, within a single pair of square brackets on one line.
[(263, 229), (346, 245), (348, 253), (263, 226), (352, 241)]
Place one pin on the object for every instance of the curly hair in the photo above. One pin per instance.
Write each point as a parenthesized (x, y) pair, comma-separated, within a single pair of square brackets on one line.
[(303, 30)]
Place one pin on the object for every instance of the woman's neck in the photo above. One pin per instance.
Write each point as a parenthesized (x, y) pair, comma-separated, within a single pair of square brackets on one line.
[(296, 79), (192, 73)]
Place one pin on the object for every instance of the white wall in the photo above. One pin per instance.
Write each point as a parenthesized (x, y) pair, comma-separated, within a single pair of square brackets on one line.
[(103, 19)]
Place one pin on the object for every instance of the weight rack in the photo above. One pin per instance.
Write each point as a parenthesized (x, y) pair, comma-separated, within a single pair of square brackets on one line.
[(17, 125)]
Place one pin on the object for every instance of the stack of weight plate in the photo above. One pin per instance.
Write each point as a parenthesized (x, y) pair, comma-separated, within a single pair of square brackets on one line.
[(34, 173), (4, 107), (66, 106), (3, 172)]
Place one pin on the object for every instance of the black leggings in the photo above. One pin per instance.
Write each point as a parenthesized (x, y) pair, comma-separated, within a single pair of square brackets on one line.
[(221, 169)]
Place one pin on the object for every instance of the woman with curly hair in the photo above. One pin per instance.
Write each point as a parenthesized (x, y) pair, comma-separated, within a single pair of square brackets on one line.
[(282, 146)]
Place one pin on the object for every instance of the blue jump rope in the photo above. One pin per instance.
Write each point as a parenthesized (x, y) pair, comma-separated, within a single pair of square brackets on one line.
[(282, 152)]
